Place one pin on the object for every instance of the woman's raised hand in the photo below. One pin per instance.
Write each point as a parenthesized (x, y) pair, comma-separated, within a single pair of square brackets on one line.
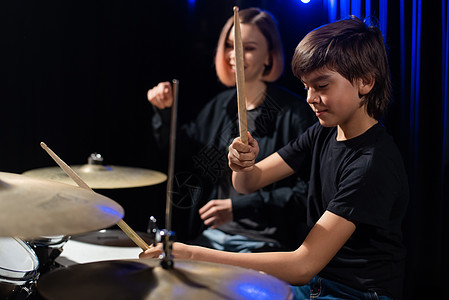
[(161, 95)]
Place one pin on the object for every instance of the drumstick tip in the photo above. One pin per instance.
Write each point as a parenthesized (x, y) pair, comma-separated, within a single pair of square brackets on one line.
[(236, 8)]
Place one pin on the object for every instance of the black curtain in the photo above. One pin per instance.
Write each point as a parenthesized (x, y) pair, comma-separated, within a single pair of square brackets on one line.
[(418, 54)]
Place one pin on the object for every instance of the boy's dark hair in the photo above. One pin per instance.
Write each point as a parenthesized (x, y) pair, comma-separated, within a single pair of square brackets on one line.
[(354, 50)]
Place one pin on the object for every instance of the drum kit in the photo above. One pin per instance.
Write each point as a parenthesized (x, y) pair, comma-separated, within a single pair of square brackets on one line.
[(56, 243)]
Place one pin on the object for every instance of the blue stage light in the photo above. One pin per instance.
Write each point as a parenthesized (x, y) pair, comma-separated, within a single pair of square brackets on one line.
[(305, 1)]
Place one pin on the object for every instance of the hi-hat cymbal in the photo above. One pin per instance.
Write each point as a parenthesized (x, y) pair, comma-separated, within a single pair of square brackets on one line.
[(146, 279), (102, 176), (32, 207)]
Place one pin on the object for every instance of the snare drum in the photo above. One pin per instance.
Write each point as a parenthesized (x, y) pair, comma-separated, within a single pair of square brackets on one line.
[(106, 244), (18, 269)]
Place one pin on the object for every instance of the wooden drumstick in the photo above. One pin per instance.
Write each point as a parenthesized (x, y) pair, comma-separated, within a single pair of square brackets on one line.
[(69, 171), (240, 77), (133, 235), (66, 168)]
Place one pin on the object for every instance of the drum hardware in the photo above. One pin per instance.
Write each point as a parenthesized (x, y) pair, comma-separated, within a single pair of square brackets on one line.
[(153, 231), (95, 159), (167, 238), (47, 249)]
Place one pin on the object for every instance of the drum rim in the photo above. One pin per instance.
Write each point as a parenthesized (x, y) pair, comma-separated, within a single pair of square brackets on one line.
[(54, 240), (26, 275)]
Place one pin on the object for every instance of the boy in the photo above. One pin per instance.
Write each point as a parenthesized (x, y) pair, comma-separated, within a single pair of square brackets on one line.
[(358, 189)]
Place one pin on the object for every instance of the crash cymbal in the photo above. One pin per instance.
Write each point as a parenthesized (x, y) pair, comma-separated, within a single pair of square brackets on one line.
[(146, 279), (102, 176), (32, 207)]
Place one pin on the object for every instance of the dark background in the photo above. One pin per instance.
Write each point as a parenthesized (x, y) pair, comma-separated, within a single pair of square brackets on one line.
[(76, 73)]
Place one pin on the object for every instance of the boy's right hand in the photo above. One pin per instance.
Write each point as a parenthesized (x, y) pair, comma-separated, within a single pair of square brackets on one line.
[(161, 95), (242, 157), (179, 251)]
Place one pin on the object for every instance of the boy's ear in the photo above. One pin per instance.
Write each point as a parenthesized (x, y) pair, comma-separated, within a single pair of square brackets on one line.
[(365, 86)]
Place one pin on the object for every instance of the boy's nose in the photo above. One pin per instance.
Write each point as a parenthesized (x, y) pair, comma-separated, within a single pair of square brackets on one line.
[(312, 97)]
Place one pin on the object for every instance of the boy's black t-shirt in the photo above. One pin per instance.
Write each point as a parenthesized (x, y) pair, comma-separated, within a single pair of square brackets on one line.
[(362, 180)]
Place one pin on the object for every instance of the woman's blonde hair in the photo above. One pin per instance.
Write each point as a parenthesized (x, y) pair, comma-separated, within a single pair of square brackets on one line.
[(266, 23)]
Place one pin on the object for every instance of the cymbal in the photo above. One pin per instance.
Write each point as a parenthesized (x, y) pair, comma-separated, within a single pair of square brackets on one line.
[(110, 237), (102, 176), (146, 279), (32, 207)]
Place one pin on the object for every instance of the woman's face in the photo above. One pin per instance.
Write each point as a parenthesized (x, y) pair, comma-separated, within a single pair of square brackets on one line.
[(255, 52)]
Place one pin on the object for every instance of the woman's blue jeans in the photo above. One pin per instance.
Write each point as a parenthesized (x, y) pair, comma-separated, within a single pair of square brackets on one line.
[(217, 239), (320, 288)]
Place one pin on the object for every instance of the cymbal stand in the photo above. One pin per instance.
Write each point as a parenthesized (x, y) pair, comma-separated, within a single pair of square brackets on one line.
[(164, 236), (167, 236)]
